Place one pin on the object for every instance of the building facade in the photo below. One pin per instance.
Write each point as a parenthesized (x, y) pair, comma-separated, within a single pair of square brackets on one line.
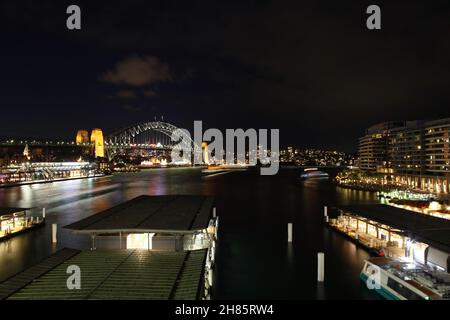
[(373, 151), (412, 154)]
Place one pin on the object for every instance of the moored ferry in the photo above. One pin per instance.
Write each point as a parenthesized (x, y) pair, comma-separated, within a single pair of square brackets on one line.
[(401, 280)]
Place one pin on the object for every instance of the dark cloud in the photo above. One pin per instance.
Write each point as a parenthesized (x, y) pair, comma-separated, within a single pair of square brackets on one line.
[(138, 71), (131, 108), (126, 94), (150, 93)]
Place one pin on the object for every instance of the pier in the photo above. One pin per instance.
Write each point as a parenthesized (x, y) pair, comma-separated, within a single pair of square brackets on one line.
[(396, 233), (150, 247), (15, 221)]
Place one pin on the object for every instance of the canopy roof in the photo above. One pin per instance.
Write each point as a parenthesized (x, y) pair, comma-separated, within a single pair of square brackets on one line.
[(172, 214), (425, 228), (10, 210)]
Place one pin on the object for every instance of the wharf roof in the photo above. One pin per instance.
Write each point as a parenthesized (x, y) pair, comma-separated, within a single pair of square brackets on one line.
[(170, 214), (425, 228), (10, 210), (112, 275)]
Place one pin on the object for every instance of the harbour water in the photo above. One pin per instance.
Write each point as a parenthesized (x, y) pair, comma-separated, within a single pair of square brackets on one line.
[(254, 260)]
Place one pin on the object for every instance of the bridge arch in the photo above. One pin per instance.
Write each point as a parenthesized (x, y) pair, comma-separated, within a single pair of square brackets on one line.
[(124, 137)]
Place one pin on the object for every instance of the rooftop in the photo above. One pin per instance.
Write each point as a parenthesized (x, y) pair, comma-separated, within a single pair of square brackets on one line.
[(112, 274), (9, 210), (431, 230), (172, 214)]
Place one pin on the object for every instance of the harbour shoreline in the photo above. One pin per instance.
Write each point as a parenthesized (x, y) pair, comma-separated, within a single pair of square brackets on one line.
[(26, 183)]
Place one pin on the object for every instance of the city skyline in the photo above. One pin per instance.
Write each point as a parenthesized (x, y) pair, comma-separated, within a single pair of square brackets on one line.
[(220, 63)]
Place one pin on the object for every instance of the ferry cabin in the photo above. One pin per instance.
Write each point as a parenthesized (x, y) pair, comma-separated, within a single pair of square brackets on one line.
[(403, 280)]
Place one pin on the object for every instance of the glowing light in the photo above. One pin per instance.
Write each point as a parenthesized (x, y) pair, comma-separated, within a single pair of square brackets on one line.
[(181, 162), (434, 205), (97, 140), (140, 241), (82, 137)]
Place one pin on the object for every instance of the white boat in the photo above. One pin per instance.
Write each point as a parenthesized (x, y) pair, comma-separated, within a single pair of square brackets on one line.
[(313, 173), (225, 168), (402, 280)]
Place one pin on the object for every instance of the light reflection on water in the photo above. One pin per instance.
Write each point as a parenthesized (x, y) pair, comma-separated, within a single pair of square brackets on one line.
[(254, 259)]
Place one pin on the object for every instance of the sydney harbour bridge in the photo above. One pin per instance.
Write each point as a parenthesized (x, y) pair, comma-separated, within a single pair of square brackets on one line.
[(151, 137)]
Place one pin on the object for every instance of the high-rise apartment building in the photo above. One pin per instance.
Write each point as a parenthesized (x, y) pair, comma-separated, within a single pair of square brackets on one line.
[(404, 149), (415, 154), (437, 146), (373, 153)]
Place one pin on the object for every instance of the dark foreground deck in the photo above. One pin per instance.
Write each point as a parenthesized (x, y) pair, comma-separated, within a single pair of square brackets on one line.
[(110, 275)]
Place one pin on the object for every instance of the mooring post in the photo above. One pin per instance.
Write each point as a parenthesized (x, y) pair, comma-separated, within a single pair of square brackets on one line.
[(290, 232), (93, 242), (320, 266), (54, 233)]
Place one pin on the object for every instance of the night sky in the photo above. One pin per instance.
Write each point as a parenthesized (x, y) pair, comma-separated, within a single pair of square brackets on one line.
[(310, 68)]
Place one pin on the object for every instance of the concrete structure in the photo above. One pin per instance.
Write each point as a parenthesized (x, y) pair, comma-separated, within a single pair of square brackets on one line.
[(290, 232), (82, 137), (97, 141), (320, 267)]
